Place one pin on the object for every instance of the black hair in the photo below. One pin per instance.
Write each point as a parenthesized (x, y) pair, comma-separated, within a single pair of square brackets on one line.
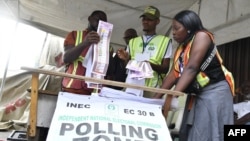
[(132, 32), (101, 14), (190, 20), (245, 87)]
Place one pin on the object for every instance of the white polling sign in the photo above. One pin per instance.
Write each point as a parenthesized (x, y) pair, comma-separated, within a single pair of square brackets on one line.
[(94, 118)]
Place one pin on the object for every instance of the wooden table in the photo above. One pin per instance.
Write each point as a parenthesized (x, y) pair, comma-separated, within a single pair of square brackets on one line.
[(34, 92)]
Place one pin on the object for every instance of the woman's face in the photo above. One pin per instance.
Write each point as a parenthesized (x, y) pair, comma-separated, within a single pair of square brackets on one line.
[(179, 32)]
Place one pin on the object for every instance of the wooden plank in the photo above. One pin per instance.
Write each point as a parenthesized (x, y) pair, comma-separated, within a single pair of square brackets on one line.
[(105, 82), (34, 92), (46, 92), (33, 105)]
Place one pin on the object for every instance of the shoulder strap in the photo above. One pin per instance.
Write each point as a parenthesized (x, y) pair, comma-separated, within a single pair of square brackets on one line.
[(209, 59), (211, 56)]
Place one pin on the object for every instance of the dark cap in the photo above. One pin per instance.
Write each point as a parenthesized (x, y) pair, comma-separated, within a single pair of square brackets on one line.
[(151, 12)]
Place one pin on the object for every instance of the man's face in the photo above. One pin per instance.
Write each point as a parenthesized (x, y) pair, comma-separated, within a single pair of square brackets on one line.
[(94, 20), (149, 24)]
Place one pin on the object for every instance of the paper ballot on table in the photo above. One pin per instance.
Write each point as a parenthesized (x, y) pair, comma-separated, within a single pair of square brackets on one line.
[(117, 94), (132, 91), (98, 55)]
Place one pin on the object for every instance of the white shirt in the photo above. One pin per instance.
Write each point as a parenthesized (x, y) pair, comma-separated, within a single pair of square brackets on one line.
[(242, 108)]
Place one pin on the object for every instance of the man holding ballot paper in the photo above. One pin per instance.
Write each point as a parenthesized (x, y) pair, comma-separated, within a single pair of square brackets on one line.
[(83, 46), (148, 56)]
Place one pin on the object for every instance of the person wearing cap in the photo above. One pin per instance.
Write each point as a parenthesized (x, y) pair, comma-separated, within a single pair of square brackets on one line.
[(158, 48), (76, 46)]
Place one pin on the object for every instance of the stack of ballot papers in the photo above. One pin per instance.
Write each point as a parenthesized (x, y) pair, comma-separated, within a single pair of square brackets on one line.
[(139, 69)]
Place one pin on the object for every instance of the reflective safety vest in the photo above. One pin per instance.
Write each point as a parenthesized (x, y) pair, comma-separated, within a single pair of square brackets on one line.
[(76, 67), (158, 44), (201, 77)]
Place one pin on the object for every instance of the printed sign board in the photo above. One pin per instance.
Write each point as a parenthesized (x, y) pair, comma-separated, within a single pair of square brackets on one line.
[(95, 118)]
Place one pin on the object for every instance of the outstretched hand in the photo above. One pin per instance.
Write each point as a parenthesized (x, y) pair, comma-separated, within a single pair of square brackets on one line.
[(122, 54)]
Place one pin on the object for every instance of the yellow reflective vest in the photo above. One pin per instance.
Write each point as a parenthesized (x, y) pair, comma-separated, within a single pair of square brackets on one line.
[(158, 44), (76, 67)]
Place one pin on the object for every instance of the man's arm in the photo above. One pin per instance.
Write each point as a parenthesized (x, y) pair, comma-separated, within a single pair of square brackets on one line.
[(163, 68)]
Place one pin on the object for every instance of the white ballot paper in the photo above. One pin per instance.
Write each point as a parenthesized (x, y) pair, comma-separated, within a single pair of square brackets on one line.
[(117, 94), (138, 72), (100, 55), (139, 69)]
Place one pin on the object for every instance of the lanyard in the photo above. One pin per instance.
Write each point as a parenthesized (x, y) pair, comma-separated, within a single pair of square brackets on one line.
[(181, 62), (145, 42)]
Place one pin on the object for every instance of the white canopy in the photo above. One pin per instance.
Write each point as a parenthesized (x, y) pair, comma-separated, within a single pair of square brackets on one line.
[(229, 20)]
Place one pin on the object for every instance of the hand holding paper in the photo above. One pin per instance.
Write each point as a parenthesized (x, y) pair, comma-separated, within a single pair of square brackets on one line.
[(139, 69)]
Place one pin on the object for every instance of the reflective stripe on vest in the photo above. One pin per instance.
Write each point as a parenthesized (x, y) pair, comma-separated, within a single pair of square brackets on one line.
[(229, 78), (80, 58), (160, 43), (201, 77)]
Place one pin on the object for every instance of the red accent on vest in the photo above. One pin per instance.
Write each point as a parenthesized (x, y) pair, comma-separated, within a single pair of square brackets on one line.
[(77, 86)]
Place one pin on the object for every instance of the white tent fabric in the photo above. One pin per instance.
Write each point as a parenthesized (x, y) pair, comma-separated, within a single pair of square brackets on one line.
[(227, 19), (15, 102)]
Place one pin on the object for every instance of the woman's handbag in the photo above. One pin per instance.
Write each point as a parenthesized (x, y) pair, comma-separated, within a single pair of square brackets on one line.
[(193, 88)]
